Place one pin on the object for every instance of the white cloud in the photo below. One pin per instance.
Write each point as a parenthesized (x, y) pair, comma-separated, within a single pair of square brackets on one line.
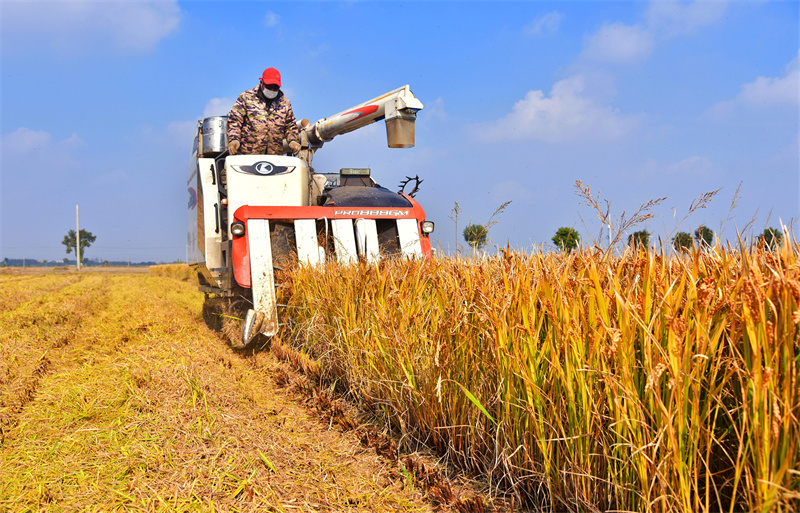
[(650, 168), (672, 17), (79, 27), (569, 115), (619, 43), (694, 166), (510, 191), (626, 44), (182, 133), (48, 164), (25, 142), (115, 178), (288, 91), (544, 25), (787, 156), (43, 178), (765, 92), (770, 91), (271, 19), (435, 111), (218, 107)]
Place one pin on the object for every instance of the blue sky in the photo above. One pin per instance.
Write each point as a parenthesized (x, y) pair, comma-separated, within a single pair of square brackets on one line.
[(639, 100)]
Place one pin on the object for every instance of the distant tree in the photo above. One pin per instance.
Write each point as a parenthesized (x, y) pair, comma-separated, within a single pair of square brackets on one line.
[(704, 236), (640, 239), (86, 240), (772, 238), (476, 235), (682, 240), (566, 239)]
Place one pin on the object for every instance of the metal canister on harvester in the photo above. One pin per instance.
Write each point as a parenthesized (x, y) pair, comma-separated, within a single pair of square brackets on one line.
[(215, 135)]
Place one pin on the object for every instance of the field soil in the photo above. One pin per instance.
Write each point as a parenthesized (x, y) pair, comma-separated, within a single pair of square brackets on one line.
[(115, 394)]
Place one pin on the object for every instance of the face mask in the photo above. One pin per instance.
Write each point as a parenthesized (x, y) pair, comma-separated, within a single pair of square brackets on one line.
[(269, 94)]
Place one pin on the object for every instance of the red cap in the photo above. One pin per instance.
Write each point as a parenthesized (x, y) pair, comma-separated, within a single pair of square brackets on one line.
[(271, 76)]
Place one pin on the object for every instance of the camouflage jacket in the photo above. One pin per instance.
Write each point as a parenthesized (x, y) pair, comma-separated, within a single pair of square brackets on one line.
[(260, 125)]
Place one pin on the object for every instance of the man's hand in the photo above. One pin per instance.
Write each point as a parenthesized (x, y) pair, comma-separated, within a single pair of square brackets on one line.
[(233, 147), (295, 147)]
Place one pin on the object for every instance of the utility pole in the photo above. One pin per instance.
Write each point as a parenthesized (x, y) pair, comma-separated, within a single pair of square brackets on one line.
[(78, 237)]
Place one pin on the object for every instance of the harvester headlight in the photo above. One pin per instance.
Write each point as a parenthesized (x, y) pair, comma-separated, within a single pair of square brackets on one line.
[(427, 226), (237, 228)]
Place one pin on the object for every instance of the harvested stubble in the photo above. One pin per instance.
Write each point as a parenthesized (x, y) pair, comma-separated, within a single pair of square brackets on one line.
[(181, 272), (636, 383), (115, 396)]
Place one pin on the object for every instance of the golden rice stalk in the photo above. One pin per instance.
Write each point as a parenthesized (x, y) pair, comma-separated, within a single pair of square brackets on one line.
[(580, 381)]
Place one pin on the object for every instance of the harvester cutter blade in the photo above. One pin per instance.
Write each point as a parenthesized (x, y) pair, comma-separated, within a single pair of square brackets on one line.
[(262, 276)]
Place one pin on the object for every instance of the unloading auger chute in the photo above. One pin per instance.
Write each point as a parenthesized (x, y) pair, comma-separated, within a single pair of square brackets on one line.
[(399, 108)]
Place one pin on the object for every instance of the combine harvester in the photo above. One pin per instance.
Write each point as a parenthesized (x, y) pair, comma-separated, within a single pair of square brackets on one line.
[(250, 215)]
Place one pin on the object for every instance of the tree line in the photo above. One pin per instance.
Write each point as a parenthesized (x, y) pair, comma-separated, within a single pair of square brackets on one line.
[(568, 239)]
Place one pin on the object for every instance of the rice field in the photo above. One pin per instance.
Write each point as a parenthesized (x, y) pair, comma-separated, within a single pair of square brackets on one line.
[(115, 395), (581, 382)]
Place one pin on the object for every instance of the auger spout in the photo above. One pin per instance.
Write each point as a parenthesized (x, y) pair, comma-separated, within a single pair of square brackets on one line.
[(399, 108)]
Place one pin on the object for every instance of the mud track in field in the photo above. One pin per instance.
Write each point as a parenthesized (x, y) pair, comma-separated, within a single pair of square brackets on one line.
[(115, 395)]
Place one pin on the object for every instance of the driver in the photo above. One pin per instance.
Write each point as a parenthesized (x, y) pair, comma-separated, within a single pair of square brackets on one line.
[(262, 118)]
